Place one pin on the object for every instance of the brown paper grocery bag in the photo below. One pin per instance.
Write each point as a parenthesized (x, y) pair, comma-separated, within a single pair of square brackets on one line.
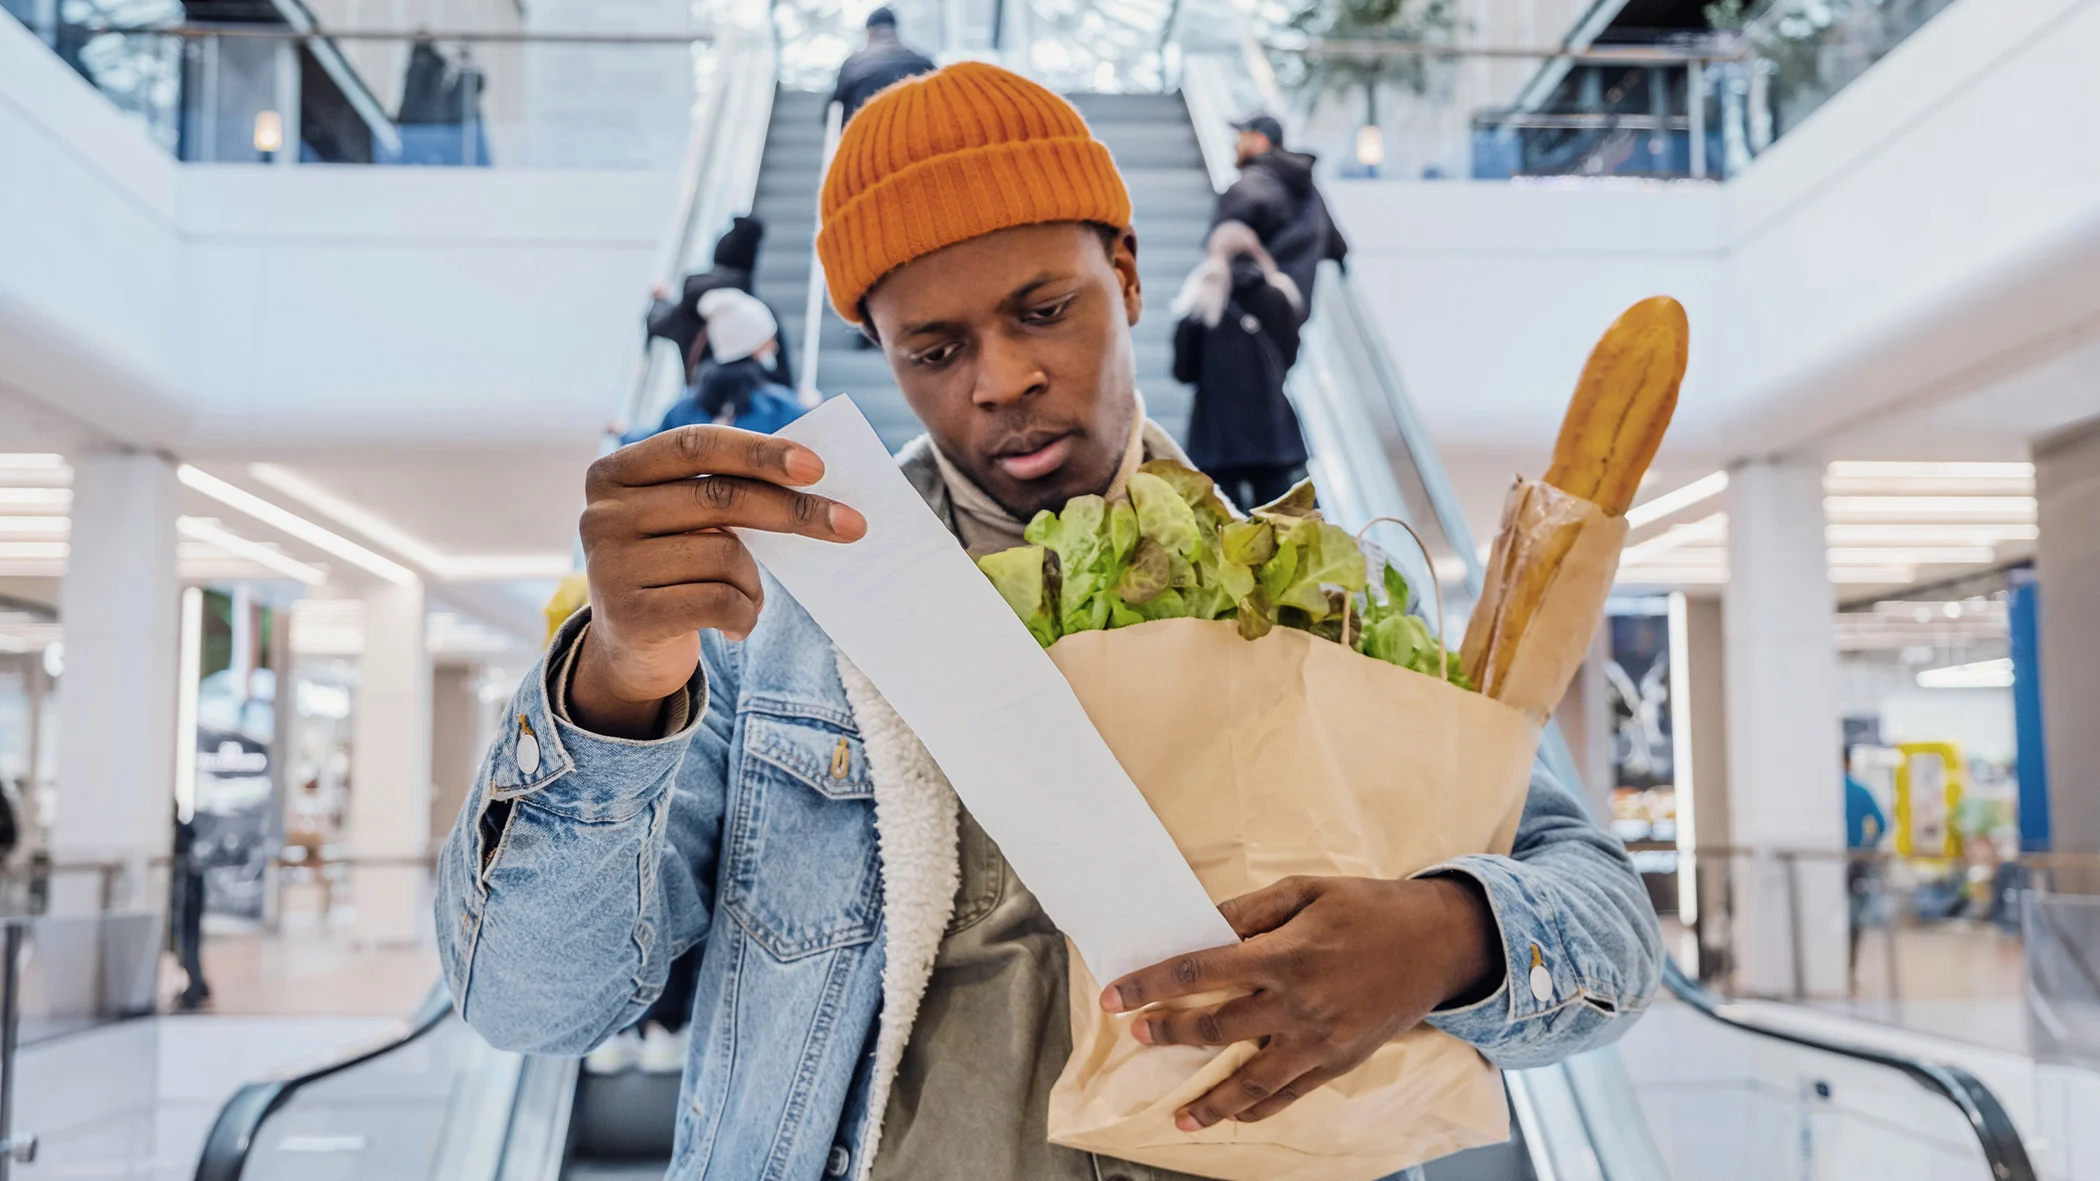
[(1570, 539), (1289, 755)]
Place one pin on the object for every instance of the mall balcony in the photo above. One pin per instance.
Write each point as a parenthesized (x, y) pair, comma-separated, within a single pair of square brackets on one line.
[(314, 314)]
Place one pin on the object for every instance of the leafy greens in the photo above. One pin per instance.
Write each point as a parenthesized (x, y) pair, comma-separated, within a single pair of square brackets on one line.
[(1175, 550)]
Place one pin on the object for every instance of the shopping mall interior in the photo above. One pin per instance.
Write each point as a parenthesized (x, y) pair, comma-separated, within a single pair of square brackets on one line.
[(314, 314)]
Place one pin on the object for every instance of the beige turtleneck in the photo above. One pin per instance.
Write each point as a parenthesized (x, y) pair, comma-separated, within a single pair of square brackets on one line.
[(984, 524)]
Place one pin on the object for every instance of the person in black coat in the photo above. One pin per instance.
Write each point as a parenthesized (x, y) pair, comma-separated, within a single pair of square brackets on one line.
[(678, 321), (1236, 339), (884, 60), (1275, 196)]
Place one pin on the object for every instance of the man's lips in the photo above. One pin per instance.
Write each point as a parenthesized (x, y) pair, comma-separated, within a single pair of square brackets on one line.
[(1038, 462)]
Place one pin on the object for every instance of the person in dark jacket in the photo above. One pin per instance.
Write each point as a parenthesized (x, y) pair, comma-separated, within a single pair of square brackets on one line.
[(1276, 197), (1236, 338), (186, 896), (735, 264), (883, 60)]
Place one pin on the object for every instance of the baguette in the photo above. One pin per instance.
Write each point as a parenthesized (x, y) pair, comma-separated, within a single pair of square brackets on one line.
[(1615, 423), (1622, 405)]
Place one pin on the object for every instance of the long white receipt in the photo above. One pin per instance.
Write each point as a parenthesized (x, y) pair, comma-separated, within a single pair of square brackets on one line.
[(908, 607)]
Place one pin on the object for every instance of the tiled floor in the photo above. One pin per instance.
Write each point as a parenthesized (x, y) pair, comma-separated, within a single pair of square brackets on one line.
[(1956, 979), (309, 972)]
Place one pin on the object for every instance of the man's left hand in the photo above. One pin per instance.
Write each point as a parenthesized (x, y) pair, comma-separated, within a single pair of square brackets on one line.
[(1331, 969)]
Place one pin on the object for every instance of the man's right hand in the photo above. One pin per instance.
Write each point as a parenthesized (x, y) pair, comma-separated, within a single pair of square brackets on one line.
[(663, 564)]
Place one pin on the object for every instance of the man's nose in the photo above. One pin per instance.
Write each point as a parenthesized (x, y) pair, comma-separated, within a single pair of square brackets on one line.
[(1007, 372)]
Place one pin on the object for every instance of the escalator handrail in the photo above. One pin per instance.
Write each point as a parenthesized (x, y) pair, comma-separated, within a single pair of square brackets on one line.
[(233, 1133), (1979, 1105)]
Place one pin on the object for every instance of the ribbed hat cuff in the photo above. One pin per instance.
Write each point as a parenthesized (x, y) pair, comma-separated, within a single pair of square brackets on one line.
[(961, 195)]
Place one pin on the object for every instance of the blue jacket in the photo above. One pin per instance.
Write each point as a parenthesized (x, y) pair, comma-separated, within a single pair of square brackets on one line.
[(585, 864)]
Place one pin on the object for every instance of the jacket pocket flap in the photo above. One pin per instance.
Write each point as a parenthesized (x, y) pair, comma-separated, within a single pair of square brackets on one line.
[(829, 761)]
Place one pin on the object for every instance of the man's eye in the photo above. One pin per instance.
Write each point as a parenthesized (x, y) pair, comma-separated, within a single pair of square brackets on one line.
[(937, 356), (1049, 313)]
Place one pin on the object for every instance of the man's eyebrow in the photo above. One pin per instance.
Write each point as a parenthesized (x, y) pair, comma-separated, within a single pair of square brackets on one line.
[(941, 326), (1038, 281), (1018, 295)]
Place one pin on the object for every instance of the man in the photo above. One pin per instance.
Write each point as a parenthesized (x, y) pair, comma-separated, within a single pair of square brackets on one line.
[(1865, 823), (691, 764), (1275, 195), (883, 60)]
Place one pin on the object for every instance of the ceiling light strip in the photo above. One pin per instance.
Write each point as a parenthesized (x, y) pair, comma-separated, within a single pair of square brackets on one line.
[(1676, 500), (294, 525), (470, 568), (2020, 508), (212, 533), (1707, 528), (1928, 470)]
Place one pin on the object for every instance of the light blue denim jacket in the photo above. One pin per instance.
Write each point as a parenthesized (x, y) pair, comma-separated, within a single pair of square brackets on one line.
[(584, 864)]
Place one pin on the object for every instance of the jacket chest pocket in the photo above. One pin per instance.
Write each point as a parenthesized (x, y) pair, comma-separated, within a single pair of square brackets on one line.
[(802, 871)]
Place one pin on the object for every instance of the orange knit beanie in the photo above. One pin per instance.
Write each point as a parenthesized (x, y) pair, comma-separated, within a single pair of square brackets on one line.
[(949, 156)]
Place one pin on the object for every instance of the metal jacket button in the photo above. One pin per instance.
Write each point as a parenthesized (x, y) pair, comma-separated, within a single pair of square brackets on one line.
[(528, 748)]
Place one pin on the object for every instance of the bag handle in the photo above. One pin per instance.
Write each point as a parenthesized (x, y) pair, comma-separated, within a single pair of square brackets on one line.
[(1436, 591)]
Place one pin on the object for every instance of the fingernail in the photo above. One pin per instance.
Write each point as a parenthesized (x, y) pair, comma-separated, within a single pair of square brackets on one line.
[(1187, 1123), (802, 466), (1111, 999), (848, 523), (1142, 1031)]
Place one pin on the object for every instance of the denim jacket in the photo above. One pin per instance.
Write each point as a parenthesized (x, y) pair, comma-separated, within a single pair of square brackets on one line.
[(795, 827)]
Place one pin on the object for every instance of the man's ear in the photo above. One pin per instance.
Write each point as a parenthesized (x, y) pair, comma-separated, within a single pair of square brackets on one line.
[(1124, 259)]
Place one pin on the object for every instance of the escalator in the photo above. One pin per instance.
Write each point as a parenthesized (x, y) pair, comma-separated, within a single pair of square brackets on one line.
[(434, 1101)]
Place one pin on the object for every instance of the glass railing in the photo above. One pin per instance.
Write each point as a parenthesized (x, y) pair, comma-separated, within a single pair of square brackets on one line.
[(1802, 52), (78, 1071), (1434, 99), (290, 93), (719, 178)]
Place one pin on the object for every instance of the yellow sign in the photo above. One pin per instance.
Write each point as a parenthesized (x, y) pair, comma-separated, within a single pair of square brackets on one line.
[(1928, 786)]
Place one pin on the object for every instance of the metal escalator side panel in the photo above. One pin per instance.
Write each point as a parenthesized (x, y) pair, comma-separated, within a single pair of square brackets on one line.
[(478, 1115), (1542, 1103), (1980, 1109), (537, 1138), (238, 1128)]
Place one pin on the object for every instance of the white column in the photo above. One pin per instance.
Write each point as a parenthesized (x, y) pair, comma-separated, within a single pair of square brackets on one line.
[(389, 819), (116, 739), (1785, 781), (2067, 489)]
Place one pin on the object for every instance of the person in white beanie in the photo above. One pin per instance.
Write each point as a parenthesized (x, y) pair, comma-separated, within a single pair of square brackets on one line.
[(738, 387), (738, 325)]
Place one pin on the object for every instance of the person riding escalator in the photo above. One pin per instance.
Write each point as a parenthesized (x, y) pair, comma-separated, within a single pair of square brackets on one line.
[(1235, 341)]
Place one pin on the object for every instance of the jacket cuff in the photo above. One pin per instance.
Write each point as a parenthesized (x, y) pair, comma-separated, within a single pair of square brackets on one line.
[(571, 770), (1532, 983)]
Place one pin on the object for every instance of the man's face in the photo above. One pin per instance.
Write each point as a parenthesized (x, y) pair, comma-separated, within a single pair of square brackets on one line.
[(1251, 144), (1014, 350)]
